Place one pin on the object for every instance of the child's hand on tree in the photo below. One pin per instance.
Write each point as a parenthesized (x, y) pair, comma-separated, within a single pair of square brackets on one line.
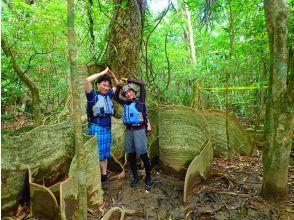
[(121, 82), (110, 73), (124, 79)]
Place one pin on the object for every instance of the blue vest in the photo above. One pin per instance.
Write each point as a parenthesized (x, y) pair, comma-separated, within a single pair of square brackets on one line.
[(103, 106), (131, 116)]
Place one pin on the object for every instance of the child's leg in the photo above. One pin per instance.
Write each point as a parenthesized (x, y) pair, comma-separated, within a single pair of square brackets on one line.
[(146, 162), (147, 166), (140, 141), (133, 165)]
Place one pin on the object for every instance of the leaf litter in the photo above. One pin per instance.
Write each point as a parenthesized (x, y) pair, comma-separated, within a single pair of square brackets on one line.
[(232, 192)]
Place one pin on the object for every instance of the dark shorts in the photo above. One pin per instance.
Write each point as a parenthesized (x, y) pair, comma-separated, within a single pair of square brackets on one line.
[(136, 141), (104, 140)]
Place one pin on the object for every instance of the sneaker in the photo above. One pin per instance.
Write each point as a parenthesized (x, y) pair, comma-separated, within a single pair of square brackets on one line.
[(135, 182), (148, 183)]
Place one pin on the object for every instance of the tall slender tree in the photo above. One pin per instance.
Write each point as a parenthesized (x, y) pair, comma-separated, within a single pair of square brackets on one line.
[(79, 150), (227, 75), (185, 32), (192, 44), (279, 120)]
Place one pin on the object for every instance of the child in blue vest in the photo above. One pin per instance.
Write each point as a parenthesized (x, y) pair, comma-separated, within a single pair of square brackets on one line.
[(99, 110), (135, 120)]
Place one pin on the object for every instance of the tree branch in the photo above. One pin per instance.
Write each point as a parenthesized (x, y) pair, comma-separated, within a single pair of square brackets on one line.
[(25, 78)]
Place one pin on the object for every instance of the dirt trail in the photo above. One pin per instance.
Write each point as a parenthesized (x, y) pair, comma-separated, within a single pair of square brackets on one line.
[(234, 195)]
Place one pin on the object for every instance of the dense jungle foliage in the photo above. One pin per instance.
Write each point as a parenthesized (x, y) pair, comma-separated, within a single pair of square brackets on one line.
[(230, 38), (233, 56)]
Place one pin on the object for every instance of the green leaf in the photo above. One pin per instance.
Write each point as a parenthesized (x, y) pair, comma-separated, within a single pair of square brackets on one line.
[(123, 4)]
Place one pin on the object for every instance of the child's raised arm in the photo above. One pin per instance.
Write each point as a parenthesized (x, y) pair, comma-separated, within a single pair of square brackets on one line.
[(90, 79)]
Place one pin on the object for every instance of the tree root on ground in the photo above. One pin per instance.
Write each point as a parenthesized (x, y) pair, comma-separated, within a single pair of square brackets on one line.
[(222, 174), (120, 213), (122, 174)]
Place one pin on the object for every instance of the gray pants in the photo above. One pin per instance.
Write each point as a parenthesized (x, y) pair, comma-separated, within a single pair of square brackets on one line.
[(136, 141)]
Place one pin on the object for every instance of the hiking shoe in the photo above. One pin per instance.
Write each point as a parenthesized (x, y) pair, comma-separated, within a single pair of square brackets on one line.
[(104, 185), (104, 181), (135, 182), (104, 178), (148, 183)]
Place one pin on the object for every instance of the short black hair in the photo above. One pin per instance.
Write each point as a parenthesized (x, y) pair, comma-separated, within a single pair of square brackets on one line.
[(104, 77)]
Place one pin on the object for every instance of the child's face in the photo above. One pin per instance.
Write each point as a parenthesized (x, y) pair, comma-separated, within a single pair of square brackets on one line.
[(130, 94), (103, 87)]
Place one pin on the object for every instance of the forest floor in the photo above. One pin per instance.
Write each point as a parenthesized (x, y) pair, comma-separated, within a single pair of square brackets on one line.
[(235, 195), (14, 120)]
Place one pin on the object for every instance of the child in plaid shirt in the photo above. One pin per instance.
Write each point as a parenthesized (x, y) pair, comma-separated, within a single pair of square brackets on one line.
[(99, 110)]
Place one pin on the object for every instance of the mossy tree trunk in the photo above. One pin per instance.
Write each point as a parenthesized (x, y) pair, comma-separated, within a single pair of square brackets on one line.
[(124, 40), (26, 79), (279, 112), (79, 150)]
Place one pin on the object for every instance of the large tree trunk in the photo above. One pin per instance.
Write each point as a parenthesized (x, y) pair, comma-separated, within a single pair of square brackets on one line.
[(279, 112), (123, 49), (79, 150), (26, 79)]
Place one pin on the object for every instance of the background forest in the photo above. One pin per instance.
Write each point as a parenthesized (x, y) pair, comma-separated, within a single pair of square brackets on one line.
[(230, 50), (235, 56)]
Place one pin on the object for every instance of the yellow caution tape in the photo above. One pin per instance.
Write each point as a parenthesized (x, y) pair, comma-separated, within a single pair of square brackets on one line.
[(235, 88)]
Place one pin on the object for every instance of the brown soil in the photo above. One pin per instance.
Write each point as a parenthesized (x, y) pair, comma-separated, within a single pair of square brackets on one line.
[(234, 195), (18, 121)]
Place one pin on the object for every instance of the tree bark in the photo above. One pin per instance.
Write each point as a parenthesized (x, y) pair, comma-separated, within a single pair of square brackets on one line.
[(91, 29), (185, 34), (192, 45), (279, 120), (124, 40), (142, 7), (26, 79), (227, 75), (232, 29), (79, 150)]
